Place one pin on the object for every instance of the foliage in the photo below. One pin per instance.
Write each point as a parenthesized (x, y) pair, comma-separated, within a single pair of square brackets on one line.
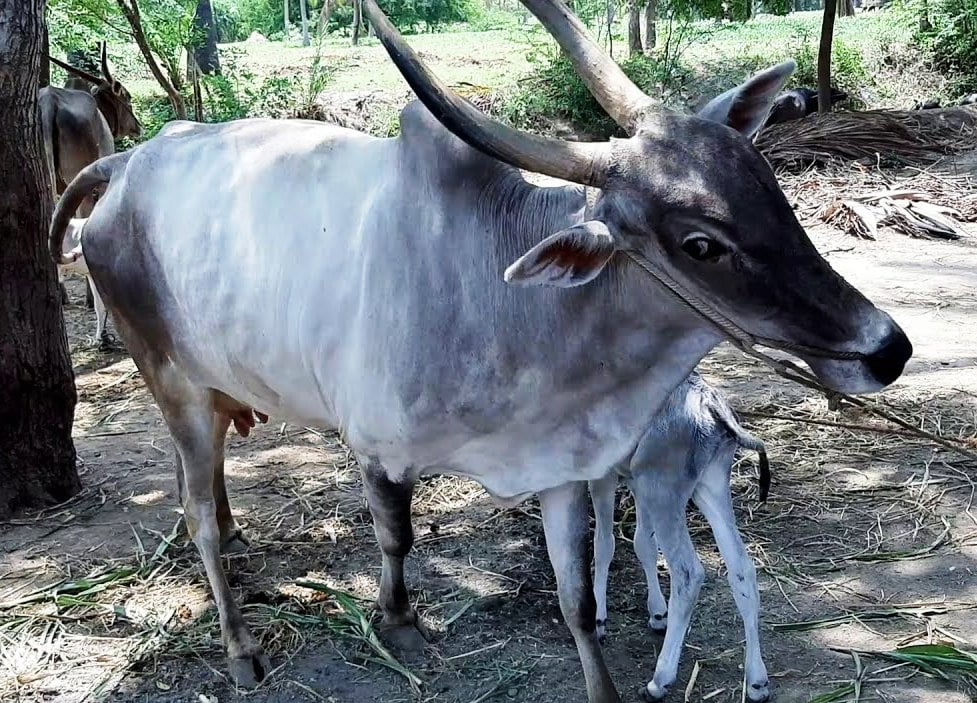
[(947, 30), (227, 16), (848, 71)]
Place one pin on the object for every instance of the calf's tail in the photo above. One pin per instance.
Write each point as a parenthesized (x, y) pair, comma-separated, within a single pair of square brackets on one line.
[(85, 182), (747, 441)]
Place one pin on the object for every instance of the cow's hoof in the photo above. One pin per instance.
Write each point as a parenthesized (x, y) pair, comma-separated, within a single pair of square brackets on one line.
[(106, 343), (758, 692), (235, 543), (654, 692), (408, 639), (658, 623), (249, 670), (65, 300)]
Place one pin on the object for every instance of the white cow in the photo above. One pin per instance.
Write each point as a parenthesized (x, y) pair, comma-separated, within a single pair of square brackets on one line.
[(73, 261), (445, 314), (687, 452)]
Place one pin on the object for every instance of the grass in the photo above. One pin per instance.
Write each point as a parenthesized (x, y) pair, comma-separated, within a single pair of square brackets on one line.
[(499, 59)]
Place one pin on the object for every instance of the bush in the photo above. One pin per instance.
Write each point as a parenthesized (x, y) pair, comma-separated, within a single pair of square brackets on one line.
[(555, 90), (848, 71), (947, 31), (227, 16)]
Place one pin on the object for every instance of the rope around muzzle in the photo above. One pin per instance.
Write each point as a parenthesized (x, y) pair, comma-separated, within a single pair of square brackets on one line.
[(746, 343)]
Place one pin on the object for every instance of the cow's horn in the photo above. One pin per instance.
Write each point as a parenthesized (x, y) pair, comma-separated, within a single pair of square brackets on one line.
[(579, 162), (617, 94)]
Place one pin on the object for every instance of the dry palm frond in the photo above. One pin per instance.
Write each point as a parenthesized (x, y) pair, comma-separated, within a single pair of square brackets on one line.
[(871, 135), (908, 211)]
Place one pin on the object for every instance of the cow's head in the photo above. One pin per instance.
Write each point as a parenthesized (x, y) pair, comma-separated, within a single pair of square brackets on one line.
[(112, 98), (690, 193)]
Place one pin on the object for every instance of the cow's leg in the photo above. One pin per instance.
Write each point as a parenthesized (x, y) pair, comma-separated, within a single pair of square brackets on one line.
[(390, 505), (646, 547), (64, 291), (232, 537), (565, 521), (685, 572), (195, 427), (90, 296), (714, 500), (602, 493)]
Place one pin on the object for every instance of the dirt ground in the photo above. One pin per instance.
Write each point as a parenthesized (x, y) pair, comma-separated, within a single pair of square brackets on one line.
[(867, 543)]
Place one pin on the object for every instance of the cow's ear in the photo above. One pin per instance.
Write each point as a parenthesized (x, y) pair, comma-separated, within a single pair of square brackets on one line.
[(568, 258), (745, 107)]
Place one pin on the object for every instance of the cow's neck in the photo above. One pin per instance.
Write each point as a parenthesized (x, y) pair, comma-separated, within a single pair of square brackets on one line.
[(622, 327)]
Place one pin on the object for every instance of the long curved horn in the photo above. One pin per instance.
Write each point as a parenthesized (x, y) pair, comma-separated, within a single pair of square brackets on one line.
[(74, 70), (617, 94), (105, 64), (579, 162)]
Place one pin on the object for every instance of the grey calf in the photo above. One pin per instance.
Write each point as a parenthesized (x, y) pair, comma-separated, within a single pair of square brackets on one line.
[(686, 453)]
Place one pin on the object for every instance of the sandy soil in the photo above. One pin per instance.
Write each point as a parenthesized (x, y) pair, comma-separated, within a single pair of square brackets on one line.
[(859, 523)]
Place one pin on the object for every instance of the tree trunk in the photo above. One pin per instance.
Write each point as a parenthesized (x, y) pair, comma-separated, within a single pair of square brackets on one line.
[(37, 387), (824, 56), (357, 20), (44, 79), (327, 7), (285, 15), (611, 13), (130, 10), (205, 51), (651, 18), (634, 27), (305, 23), (846, 8)]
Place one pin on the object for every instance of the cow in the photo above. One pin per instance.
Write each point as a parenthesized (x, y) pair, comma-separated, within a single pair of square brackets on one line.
[(448, 316), (80, 126), (75, 263), (798, 103), (686, 453)]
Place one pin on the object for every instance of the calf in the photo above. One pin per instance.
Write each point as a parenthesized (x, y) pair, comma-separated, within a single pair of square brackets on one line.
[(73, 261), (686, 453)]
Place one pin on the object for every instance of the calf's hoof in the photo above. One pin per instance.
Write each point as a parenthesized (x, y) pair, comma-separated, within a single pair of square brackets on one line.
[(407, 639), (601, 629), (658, 623), (64, 294), (654, 691), (248, 670), (106, 343), (758, 692)]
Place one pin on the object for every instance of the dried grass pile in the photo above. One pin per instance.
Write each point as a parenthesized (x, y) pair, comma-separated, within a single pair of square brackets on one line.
[(913, 136)]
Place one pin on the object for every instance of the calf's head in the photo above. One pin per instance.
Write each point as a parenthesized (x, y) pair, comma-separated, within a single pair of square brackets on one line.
[(692, 195)]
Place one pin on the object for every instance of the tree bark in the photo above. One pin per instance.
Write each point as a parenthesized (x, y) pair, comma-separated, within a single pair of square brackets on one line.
[(44, 79), (285, 15), (651, 29), (327, 7), (37, 388), (846, 8), (357, 20), (634, 27), (130, 10), (824, 56), (305, 22), (205, 51)]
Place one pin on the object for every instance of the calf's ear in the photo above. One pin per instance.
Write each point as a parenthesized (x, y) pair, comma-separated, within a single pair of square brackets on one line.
[(568, 258)]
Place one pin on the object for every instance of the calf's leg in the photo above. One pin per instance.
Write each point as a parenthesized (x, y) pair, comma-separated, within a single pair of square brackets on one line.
[(565, 522), (646, 547), (685, 572), (714, 500), (390, 504), (602, 493)]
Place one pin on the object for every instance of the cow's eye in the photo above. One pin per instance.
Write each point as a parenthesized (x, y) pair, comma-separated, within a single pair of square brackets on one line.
[(702, 248)]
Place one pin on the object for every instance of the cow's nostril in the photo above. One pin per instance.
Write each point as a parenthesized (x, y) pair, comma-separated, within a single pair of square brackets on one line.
[(886, 362)]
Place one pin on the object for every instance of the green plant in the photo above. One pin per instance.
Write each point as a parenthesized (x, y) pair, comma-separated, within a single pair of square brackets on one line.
[(848, 71), (947, 30)]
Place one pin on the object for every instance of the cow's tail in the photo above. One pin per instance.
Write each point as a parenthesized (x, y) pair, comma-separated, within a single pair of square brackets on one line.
[(85, 182), (747, 441)]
